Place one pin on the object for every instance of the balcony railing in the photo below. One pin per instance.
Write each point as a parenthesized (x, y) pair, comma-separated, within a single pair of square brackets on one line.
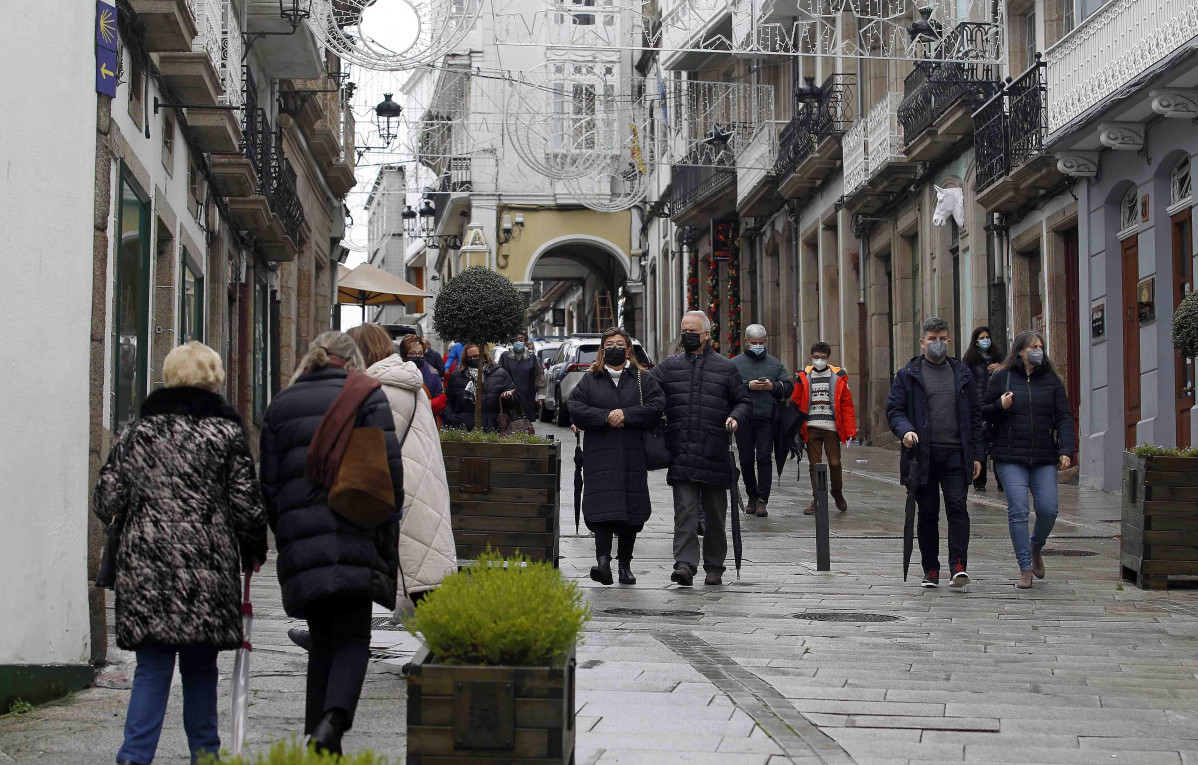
[(1011, 127), (831, 117), (686, 18), (219, 36), (935, 87), (348, 126), (884, 143), (856, 169), (990, 142), (283, 196), (256, 145), (1111, 48), (457, 175), (691, 183)]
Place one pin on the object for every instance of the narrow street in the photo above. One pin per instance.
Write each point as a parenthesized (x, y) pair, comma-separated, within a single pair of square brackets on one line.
[(788, 664)]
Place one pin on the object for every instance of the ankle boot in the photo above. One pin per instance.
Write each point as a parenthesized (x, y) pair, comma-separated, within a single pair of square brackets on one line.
[(602, 572), (327, 735), (626, 576)]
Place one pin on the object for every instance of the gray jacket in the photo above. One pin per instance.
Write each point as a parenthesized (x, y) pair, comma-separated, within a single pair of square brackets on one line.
[(766, 404)]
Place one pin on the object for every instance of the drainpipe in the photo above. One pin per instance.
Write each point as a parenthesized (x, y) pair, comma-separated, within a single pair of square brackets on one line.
[(793, 214)]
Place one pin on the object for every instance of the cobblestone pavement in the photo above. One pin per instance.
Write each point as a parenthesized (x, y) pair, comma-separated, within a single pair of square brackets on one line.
[(788, 664)]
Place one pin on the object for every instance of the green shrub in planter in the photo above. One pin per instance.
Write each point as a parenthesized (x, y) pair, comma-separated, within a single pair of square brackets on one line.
[(1185, 326), (293, 753), (501, 611), (461, 435), (1150, 450)]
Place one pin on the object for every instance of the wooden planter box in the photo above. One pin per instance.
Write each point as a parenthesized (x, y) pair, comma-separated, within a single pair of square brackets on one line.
[(471, 714), (1160, 519), (506, 496)]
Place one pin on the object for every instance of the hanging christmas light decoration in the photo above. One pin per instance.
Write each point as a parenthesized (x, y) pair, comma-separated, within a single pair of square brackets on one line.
[(621, 180), (713, 301), (392, 35), (734, 306)]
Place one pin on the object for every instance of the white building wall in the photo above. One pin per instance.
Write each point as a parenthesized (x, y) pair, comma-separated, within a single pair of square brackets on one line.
[(46, 204)]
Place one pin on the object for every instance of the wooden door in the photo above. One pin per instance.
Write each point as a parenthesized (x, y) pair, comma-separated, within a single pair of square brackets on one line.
[(1183, 284), (1073, 364), (1131, 342)]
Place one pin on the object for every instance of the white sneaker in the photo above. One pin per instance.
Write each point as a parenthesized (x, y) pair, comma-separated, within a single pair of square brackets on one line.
[(960, 581)]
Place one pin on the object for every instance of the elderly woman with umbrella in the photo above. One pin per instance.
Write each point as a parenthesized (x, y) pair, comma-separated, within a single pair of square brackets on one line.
[(616, 405)]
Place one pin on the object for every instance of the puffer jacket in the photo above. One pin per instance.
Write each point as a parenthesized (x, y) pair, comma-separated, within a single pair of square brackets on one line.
[(907, 410), (702, 391), (1038, 428), (426, 549), (180, 484), (616, 477), (322, 555), (460, 411)]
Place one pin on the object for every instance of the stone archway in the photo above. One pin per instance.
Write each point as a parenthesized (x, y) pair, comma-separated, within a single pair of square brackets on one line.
[(598, 266)]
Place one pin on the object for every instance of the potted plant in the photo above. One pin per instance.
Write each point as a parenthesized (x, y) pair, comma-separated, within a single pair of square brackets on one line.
[(294, 753), (1160, 492), (494, 681)]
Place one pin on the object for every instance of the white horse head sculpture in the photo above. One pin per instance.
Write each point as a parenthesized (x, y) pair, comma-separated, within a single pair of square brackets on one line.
[(949, 202)]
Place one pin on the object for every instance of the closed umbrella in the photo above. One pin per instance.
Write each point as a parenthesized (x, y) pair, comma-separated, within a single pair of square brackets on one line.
[(912, 482), (577, 479), (241, 672), (737, 504), (786, 436)]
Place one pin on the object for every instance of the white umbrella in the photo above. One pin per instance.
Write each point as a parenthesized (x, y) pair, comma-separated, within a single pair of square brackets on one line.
[(241, 672)]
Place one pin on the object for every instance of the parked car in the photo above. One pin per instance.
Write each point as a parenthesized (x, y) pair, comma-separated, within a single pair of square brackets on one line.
[(571, 361)]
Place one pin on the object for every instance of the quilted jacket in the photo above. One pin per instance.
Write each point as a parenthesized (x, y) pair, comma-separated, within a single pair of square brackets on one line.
[(426, 548)]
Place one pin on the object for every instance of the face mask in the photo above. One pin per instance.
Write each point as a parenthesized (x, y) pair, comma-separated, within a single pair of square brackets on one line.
[(691, 341), (518, 347), (936, 351), (615, 357), (819, 364), (757, 350), (1035, 357), (472, 363), (418, 361), (984, 343)]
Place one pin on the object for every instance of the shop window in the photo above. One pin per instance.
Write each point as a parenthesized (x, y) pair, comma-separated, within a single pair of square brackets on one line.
[(191, 302), (131, 309)]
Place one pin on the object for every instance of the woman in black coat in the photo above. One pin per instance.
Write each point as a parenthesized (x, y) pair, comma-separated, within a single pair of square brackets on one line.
[(1033, 438), (614, 404), (179, 484), (459, 389), (330, 569), (983, 357)]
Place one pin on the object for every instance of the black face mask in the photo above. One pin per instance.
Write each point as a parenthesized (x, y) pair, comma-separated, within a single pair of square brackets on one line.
[(691, 341), (615, 357), (472, 363), (418, 361)]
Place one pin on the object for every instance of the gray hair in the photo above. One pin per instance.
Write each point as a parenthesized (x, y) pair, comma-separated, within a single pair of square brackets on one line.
[(701, 315), (934, 324), (331, 343), (756, 331)]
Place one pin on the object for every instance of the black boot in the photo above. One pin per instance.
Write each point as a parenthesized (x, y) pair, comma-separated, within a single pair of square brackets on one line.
[(602, 572), (327, 735), (626, 576)]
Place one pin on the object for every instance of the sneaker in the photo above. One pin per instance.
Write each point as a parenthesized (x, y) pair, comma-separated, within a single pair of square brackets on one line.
[(931, 580), (761, 511), (960, 579), (682, 576), (1038, 564), (713, 579)]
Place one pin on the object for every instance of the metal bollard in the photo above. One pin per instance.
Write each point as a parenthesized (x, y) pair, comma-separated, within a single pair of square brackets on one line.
[(823, 560)]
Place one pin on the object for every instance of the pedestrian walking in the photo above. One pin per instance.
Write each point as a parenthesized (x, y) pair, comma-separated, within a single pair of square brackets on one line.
[(932, 408), (1033, 438), (822, 393), (522, 364), (983, 357), (616, 403), (432, 358), (330, 569), (462, 384), (410, 350), (453, 358), (705, 398), (179, 483), (769, 387)]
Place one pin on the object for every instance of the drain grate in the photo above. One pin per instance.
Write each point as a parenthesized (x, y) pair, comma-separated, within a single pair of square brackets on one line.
[(386, 624), (844, 616), (1068, 553), (647, 612)]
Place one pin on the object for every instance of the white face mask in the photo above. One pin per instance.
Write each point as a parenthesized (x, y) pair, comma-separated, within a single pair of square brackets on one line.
[(819, 364)]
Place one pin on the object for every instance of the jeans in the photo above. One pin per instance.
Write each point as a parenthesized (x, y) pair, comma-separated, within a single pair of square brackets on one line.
[(755, 442), (624, 532), (337, 663), (689, 500), (819, 443), (151, 689), (1016, 481), (947, 472)]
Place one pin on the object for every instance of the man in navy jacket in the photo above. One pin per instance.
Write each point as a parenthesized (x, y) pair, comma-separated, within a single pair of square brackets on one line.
[(932, 408)]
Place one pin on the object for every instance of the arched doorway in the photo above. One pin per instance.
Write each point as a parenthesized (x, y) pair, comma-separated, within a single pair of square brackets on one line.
[(589, 272)]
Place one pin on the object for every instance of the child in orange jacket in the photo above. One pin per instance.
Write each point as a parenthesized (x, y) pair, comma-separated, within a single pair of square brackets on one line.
[(822, 393)]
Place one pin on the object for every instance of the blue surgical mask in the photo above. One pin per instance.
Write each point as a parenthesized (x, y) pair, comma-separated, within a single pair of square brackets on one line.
[(518, 347), (757, 350), (984, 343)]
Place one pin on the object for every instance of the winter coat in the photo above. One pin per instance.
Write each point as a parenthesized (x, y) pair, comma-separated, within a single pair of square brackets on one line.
[(702, 391), (180, 484), (322, 555), (435, 390), (842, 402), (766, 403), (459, 413), (907, 410), (1038, 428), (527, 376), (981, 372), (426, 550), (434, 360), (616, 486)]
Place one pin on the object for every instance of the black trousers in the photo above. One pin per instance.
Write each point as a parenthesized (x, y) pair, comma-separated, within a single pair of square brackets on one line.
[(948, 474), (625, 532), (981, 481), (755, 442), (337, 663)]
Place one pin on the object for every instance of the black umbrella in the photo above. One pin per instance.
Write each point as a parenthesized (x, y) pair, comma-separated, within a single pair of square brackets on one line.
[(577, 479), (786, 435), (737, 505), (911, 479)]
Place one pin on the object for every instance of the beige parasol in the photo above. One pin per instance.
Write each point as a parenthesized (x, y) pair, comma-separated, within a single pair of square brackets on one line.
[(368, 285)]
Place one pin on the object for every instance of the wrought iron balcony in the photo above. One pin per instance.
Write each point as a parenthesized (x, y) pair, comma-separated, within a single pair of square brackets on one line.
[(1009, 134), (256, 144), (457, 175), (829, 118), (990, 148), (693, 184), (283, 195), (937, 86)]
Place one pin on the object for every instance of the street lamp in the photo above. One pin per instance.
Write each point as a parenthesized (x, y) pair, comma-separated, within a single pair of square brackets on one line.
[(809, 93), (925, 29), (385, 114), (295, 11)]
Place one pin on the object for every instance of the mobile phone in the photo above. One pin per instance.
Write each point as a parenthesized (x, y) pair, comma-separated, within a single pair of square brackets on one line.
[(763, 379)]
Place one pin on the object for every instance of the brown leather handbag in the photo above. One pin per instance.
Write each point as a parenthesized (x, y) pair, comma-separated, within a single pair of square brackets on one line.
[(363, 493)]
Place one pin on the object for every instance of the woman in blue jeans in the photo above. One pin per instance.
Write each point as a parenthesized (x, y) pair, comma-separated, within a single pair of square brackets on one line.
[(1033, 438), (179, 484)]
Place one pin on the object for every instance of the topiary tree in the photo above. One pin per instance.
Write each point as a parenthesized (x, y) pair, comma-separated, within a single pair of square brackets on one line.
[(1185, 326), (481, 307)]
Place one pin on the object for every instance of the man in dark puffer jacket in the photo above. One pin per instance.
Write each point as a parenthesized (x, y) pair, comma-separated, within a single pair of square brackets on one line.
[(704, 398)]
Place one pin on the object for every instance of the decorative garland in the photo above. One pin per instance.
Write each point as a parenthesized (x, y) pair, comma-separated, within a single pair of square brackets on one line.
[(713, 301), (734, 306), (692, 282)]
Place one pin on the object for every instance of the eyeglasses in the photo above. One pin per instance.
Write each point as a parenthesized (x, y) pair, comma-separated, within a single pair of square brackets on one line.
[(616, 344)]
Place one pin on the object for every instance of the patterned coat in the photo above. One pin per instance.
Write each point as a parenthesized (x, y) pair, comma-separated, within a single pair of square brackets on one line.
[(180, 482)]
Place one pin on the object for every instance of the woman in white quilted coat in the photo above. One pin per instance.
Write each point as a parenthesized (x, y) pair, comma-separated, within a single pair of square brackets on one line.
[(426, 549)]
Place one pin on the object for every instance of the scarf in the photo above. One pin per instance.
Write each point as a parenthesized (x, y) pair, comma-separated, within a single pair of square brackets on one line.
[(331, 439)]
